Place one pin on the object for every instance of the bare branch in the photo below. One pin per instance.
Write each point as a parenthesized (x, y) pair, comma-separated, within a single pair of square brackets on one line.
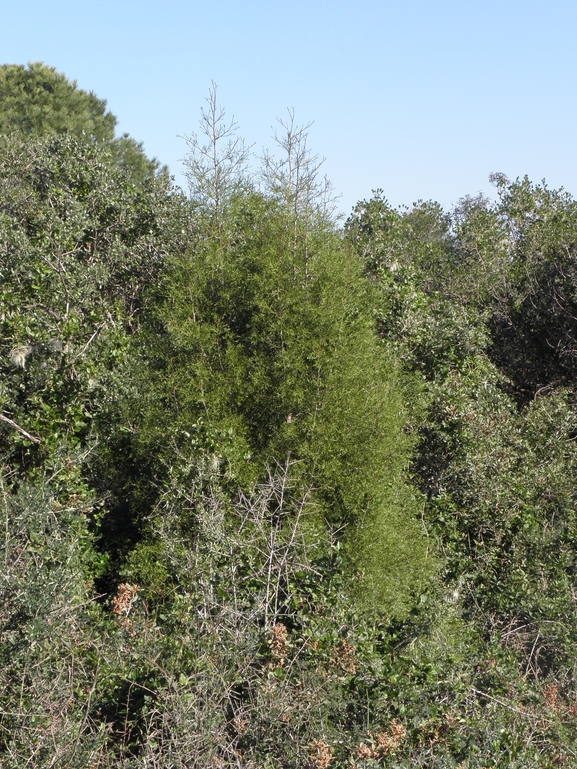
[(216, 164), (20, 429)]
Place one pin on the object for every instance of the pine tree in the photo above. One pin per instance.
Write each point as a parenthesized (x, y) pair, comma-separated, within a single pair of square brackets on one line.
[(37, 101)]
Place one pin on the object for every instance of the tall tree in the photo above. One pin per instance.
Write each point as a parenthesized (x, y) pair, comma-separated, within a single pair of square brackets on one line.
[(269, 338), (38, 101)]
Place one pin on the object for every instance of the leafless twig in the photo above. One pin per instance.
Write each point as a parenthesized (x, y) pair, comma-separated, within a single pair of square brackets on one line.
[(20, 429)]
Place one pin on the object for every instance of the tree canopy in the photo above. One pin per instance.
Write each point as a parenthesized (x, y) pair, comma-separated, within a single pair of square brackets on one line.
[(37, 101), (277, 492)]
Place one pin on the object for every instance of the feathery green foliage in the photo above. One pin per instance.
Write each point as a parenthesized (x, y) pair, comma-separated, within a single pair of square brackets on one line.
[(270, 339), (273, 493)]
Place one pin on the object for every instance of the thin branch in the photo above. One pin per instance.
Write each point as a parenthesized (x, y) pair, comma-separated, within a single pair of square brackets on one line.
[(511, 708), (92, 338), (20, 429)]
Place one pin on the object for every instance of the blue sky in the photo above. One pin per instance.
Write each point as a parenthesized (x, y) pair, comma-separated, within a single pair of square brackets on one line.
[(422, 98)]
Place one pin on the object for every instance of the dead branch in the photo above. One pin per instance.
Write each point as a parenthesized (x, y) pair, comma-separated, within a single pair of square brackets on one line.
[(20, 429)]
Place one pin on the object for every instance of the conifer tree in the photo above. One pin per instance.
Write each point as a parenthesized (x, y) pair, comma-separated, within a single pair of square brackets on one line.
[(37, 101), (270, 344)]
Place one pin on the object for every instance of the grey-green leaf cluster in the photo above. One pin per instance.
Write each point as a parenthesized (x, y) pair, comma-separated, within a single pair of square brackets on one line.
[(277, 492)]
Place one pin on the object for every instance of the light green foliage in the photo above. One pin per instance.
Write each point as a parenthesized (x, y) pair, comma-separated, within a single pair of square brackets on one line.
[(271, 339)]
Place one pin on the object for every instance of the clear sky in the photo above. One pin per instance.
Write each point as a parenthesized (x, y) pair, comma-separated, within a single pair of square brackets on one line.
[(423, 98)]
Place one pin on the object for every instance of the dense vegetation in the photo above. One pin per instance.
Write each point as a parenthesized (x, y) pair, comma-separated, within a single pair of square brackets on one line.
[(277, 492)]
